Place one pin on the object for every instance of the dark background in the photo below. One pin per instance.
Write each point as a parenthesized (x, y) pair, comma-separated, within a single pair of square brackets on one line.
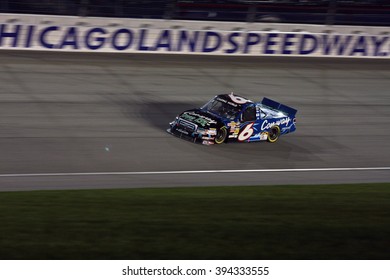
[(365, 12)]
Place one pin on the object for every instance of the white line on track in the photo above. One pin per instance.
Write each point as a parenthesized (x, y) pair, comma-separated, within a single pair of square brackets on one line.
[(196, 172)]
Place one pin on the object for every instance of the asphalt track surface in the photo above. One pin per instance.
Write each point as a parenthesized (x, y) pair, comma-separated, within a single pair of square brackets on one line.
[(74, 120)]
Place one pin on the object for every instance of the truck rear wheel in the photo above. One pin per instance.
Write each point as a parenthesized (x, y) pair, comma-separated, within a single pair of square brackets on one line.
[(273, 134)]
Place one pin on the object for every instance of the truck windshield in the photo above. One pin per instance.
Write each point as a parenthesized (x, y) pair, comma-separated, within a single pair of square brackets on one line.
[(222, 109)]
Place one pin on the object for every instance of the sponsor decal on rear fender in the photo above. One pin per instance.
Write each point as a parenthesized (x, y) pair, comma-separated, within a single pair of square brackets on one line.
[(267, 125)]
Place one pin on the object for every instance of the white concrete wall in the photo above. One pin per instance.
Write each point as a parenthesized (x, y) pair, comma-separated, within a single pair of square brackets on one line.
[(63, 33)]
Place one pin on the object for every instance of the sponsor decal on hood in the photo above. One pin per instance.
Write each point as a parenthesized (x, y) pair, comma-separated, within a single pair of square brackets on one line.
[(198, 118)]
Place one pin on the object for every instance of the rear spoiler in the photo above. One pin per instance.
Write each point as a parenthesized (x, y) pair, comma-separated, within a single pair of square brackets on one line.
[(276, 105)]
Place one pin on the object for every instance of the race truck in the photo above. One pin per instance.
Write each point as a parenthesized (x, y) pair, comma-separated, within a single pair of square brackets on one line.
[(230, 117)]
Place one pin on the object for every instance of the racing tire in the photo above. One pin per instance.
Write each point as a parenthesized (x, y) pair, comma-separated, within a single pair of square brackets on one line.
[(221, 136), (273, 134)]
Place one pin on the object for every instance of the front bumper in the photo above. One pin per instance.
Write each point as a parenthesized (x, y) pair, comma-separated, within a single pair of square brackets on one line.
[(193, 134)]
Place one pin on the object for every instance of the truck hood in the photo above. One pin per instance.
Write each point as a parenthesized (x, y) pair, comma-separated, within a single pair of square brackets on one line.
[(201, 118)]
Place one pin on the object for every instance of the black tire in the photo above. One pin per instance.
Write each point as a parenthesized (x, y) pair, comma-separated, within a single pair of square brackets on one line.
[(273, 134), (221, 136)]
